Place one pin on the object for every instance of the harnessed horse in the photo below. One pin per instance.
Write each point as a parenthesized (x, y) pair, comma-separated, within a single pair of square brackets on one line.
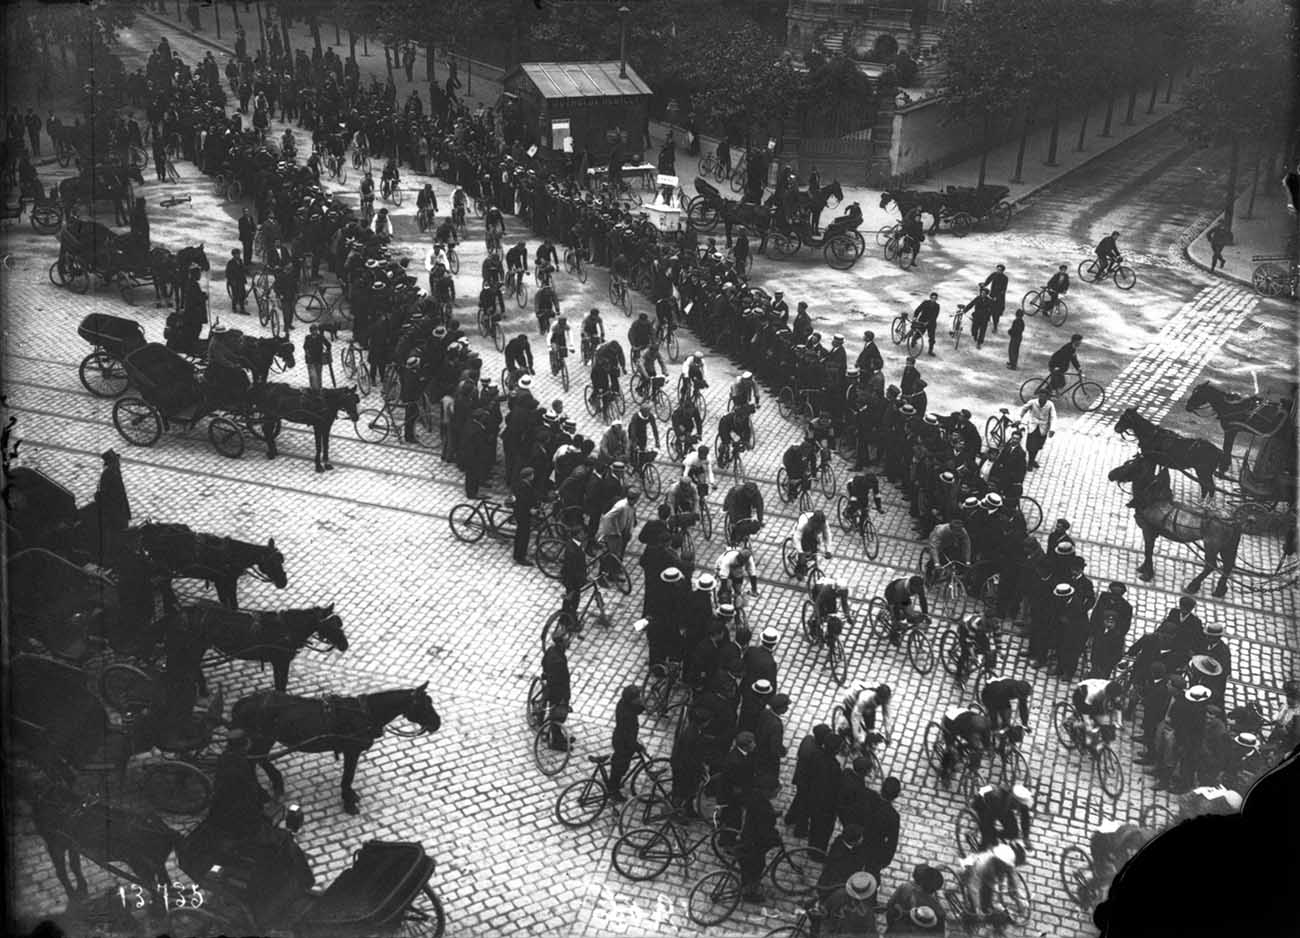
[(341, 725), (929, 203), (316, 409), (1237, 414), (171, 551), (1172, 449)]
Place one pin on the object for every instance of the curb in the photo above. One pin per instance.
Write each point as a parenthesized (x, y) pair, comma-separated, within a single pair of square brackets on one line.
[(1187, 256)]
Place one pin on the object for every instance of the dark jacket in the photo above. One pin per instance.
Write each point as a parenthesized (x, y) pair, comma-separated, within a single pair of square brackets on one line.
[(853, 803), (555, 672), (626, 727), (869, 359), (758, 664)]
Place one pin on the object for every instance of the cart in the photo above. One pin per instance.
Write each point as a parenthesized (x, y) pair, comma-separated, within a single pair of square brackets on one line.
[(103, 371)]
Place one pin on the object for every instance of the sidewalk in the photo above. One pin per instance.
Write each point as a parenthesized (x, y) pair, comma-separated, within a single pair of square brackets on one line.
[(1273, 230), (484, 86)]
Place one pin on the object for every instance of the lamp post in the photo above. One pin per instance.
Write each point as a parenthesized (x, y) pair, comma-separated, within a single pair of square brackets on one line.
[(622, 41)]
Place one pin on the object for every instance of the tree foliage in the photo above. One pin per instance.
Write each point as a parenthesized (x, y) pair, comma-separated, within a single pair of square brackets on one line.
[(87, 28)]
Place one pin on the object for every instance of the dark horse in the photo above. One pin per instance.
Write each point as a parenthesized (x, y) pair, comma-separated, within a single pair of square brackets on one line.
[(1237, 414), (169, 272), (169, 551), (1172, 449), (1158, 515), (804, 208), (317, 409), (929, 203), (347, 725), (104, 182), (274, 637), (259, 353)]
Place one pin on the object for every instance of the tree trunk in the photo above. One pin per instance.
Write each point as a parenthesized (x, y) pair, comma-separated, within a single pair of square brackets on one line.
[(1155, 90), (284, 29), (1132, 103), (338, 39), (1254, 182), (1110, 112), (216, 15), (1169, 88), (1054, 137), (314, 25), (1230, 197), (352, 45), (430, 65), (1083, 127), (984, 148), (1024, 140), (365, 45), (234, 11)]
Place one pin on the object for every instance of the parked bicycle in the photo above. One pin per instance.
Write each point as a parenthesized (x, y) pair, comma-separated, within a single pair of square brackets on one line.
[(582, 802)]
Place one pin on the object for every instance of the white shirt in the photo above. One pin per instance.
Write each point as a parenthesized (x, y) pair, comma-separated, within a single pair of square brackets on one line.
[(619, 520), (1042, 416), (730, 568), (802, 525), (693, 462)]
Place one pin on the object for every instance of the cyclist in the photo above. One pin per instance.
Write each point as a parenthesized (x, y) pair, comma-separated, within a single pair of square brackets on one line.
[(665, 317), (1112, 845), (390, 179), (493, 274), (692, 379), (744, 390), (516, 264), (646, 367), (426, 205), (559, 342), (618, 271), (546, 261), (443, 286), (968, 734), (445, 234), (639, 428), (1107, 253), (519, 357), (980, 873), (1063, 358), (361, 144), (547, 306), (913, 235), (685, 497), (614, 443), (492, 303), (459, 201), (996, 696), (826, 596), (687, 422), (593, 333), (640, 335), (797, 461), (1004, 813), (898, 596), (1101, 702), (855, 715), (1058, 285), (975, 643), (744, 508), (381, 224), (812, 535), (288, 143), (734, 429), (367, 194), (494, 224), (698, 469), (863, 489), (734, 566)]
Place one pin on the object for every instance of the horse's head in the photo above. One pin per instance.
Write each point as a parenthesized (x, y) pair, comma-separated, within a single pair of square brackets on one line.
[(350, 401), (330, 627), (834, 192), (270, 563), (885, 199), (196, 255), (1128, 421), (284, 350), (419, 710), (1202, 396), (1131, 470)]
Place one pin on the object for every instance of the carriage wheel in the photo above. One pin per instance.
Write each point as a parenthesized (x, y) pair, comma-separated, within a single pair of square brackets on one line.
[(226, 437), (46, 218), (782, 245), (253, 423), (841, 252), (79, 279), (424, 917), (1000, 216), (137, 421), (962, 223), (125, 688), (176, 788), (103, 375), (1268, 279)]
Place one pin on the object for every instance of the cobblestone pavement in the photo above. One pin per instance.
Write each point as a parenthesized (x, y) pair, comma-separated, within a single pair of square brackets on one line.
[(373, 538)]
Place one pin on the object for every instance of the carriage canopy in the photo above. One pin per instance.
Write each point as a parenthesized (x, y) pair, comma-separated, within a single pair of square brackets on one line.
[(165, 378)]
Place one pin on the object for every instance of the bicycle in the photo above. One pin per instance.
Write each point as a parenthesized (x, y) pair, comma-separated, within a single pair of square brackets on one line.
[(546, 728), (654, 395), (323, 300), (983, 666), (957, 319), (1092, 271), (912, 636), (855, 518), (610, 405), (665, 691), (573, 265), (458, 221), (1086, 396), (517, 287), (947, 580), (620, 296), (646, 474), (1012, 904), (797, 402), (898, 250), (996, 427), (792, 560), (909, 331), (337, 168), (645, 853), (696, 397), (733, 455), (169, 170), (356, 366), (830, 636), (1068, 724), (582, 802), (1054, 310), (560, 365), (803, 496), (174, 201), (425, 218), (492, 239), (716, 896), (666, 338), (376, 424), (608, 568), (489, 326), (946, 754), (1079, 878)]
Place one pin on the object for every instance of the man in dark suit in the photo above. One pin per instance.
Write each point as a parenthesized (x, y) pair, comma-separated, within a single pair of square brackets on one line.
[(526, 498), (247, 232), (997, 285), (869, 359), (555, 679), (927, 316)]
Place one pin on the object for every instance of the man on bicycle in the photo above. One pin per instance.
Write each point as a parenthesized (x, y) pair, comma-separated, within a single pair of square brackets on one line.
[(913, 234), (949, 543), (975, 644), (997, 695), (559, 342), (855, 715), (733, 567), (367, 194), (426, 205), (692, 379), (979, 875), (826, 597), (1056, 288), (1063, 358), (1004, 813), (516, 263), (1100, 702), (445, 235), (1107, 253), (620, 270), (898, 596), (519, 357), (555, 687), (493, 274), (863, 490), (593, 333), (492, 303), (648, 365), (640, 335), (494, 224), (546, 261), (798, 461), (744, 508), (812, 536), (547, 306), (613, 443), (968, 732), (698, 469), (639, 428), (744, 391), (390, 179), (459, 201)]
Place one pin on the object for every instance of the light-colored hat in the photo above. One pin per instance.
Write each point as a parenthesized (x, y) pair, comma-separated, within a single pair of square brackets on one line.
[(907, 409), (1005, 853), (1246, 740), (991, 500), (770, 636), (762, 687), (923, 917), (705, 581), (1198, 693), (525, 382), (970, 501), (1207, 665), (1065, 548), (1063, 590), (932, 420), (861, 885), (670, 575), (947, 476), (726, 610)]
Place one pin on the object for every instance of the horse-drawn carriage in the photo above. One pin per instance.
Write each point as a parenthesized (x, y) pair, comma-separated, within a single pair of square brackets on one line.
[(103, 371), (708, 207), (88, 249), (173, 394), (961, 207)]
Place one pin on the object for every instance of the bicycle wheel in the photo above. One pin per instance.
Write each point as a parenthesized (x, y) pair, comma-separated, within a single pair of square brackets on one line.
[(551, 761), (125, 688), (615, 294), (616, 574), (589, 399), (826, 480), (995, 433), (1033, 513), (643, 854), (467, 523), (1124, 277), (916, 344), (581, 803), (534, 704), (549, 555), (174, 176), (967, 829), (308, 308), (559, 619), (1059, 312), (1077, 876), (1110, 772), (1029, 388), (372, 426), (935, 746), (878, 618), (795, 872), (521, 294), (1062, 723), (919, 651), (175, 787), (1088, 270), (1018, 902), (837, 658), (789, 556), (956, 331), (950, 652), (1088, 396), (1030, 302), (807, 620), (397, 197), (1015, 768), (714, 898), (650, 481)]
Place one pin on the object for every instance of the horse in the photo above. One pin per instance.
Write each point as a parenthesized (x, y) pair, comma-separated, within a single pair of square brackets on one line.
[(317, 409), (260, 353), (274, 637), (1172, 449), (105, 182), (1238, 414), (341, 725), (72, 828), (169, 551), (929, 202), (169, 272), (1159, 515)]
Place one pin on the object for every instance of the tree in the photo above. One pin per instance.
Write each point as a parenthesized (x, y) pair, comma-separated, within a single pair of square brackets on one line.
[(835, 97), (31, 29), (1243, 92)]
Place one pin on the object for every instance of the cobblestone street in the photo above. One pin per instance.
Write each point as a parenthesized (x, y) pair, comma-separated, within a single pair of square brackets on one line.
[(372, 537)]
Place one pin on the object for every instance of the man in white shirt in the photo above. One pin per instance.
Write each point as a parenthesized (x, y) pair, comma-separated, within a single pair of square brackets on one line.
[(1040, 414)]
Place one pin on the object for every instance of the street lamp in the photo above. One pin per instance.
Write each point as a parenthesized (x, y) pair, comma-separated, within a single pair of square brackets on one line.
[(622, 41)]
